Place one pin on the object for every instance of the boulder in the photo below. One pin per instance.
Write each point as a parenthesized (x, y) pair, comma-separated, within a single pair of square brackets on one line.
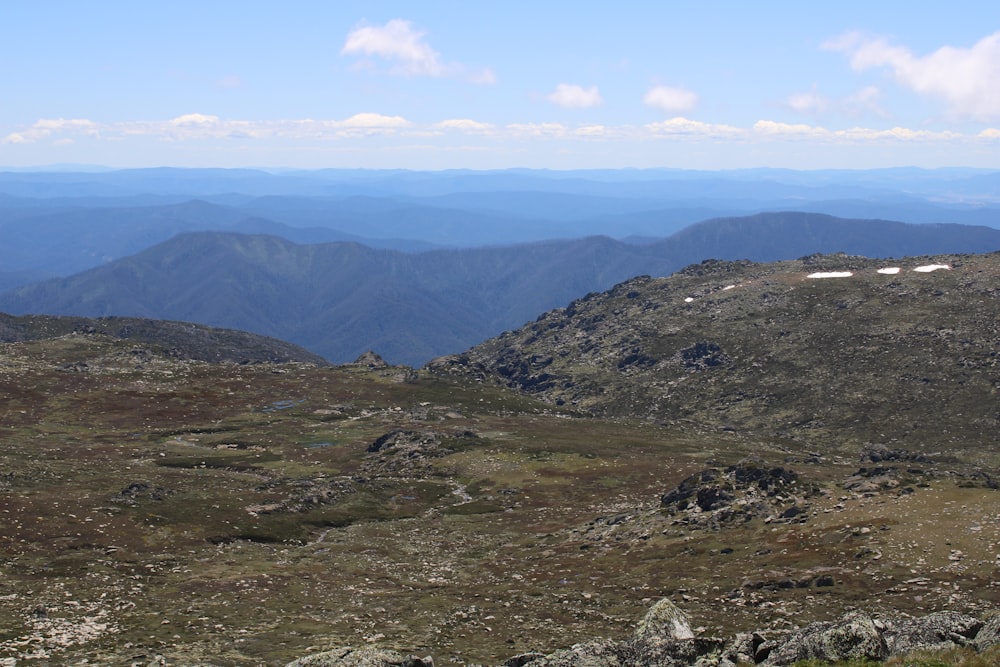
[(989, 634), (941, 630), (665, 619), (665, 651), (855, 636), (745, 648), (522, 659)]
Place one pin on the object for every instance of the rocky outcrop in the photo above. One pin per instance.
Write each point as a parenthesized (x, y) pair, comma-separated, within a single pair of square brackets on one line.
[(737, 494), (370, 360), (403, 451), (664, 638)]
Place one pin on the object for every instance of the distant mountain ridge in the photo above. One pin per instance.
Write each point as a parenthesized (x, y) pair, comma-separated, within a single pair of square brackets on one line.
[(341, 299)]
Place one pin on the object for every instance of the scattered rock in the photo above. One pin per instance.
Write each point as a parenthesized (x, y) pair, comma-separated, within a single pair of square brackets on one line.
[(597, 653), (663, 638), (878, 453), (361, 657)]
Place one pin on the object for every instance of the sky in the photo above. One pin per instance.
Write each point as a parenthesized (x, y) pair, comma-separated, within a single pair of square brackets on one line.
[(485, 85)]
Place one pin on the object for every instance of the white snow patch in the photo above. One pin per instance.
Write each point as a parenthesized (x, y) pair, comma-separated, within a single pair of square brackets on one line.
[(889, 271), (931, 267), (727, 287), (689, 299), (831, 274)]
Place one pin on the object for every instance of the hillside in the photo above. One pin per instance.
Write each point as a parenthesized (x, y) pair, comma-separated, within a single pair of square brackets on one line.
[(341, 299), (178, 340), (767, 351)]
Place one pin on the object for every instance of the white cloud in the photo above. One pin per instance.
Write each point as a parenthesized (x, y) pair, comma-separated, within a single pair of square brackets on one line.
[(811, 102), (465, 125), (965, 78), (571, 96), (669, 99), (399, 43), (684, 127), (373, 120), (776, 130), (46, 127), (193, 127), (194, 120)]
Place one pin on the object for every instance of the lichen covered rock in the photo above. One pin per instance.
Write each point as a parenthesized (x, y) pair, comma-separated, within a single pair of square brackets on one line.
[(855, 636)]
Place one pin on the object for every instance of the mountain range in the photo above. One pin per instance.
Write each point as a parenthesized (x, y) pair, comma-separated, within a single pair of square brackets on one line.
[(341, 299), (55, 224)]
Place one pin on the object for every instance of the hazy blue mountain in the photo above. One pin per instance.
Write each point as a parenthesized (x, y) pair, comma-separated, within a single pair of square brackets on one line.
[(767, 237), (67, 240), (340, 299)]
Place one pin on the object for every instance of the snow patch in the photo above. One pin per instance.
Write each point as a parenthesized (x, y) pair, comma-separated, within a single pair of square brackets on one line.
[(889, 271), (689, 299), (728, 287), (932, 267), (831, 274)]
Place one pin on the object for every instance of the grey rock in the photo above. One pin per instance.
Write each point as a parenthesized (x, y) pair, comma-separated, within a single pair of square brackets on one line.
[(665, 619), (597, 653), (522, 659), (370, 360), (664, 651), (989, 634), (360, 657), (745, 647), (854, 636), (941, 630)]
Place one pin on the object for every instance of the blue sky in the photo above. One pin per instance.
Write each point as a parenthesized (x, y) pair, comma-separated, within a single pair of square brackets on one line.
[(543, 84)]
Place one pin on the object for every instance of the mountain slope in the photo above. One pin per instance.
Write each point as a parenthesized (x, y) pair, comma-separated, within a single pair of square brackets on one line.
[(765, 349), (178, 340), (340, 299)]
